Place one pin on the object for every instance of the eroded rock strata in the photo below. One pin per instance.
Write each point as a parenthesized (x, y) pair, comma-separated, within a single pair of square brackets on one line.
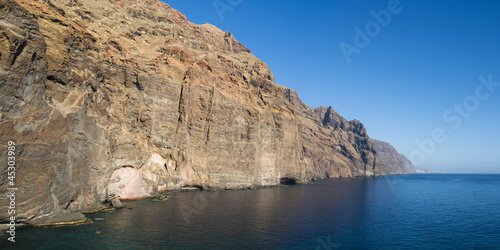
[(125, 99)]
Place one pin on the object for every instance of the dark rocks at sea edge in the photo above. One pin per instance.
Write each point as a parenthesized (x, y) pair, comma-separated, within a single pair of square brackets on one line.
[(160, 197), (59, 218), (129, 99)]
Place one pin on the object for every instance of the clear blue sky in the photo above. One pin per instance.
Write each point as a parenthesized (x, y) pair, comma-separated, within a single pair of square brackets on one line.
[(415, 68)]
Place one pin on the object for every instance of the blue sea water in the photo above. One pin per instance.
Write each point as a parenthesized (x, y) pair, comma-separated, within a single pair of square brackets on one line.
[(434, 211)]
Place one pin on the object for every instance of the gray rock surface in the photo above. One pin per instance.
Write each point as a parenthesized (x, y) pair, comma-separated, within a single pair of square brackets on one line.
[(116, 203), (390, 160), (126, 99), (57, 218)]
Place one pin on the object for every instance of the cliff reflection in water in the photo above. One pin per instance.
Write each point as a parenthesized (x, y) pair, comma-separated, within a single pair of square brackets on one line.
[(269, 217)]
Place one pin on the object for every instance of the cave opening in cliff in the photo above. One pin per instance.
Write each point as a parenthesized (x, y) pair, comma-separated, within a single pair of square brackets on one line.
[(287, 181)]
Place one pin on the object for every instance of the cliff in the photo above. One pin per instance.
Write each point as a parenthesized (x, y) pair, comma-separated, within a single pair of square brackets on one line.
[(125, 98), (390, 160)]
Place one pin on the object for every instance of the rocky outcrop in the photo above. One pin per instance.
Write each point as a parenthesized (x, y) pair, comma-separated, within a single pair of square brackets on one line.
[(59, 218), (390, 160), (125, 99), (333, 146), (116, 203)]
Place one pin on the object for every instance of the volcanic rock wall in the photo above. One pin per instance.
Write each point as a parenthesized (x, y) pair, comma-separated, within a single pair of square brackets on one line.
[(125, 98), (390, 160)]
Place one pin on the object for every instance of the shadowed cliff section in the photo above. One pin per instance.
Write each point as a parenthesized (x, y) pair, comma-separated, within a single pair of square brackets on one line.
[(390, 160), (125, 99)]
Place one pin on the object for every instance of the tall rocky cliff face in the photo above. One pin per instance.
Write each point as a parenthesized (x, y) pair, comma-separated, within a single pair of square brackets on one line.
[(127, 98), (390, 160)]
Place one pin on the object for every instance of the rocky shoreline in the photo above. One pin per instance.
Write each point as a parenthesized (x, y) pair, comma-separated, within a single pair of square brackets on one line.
[(72, 218)]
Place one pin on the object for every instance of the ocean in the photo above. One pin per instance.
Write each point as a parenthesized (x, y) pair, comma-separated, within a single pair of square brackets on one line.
[(419, 211)]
